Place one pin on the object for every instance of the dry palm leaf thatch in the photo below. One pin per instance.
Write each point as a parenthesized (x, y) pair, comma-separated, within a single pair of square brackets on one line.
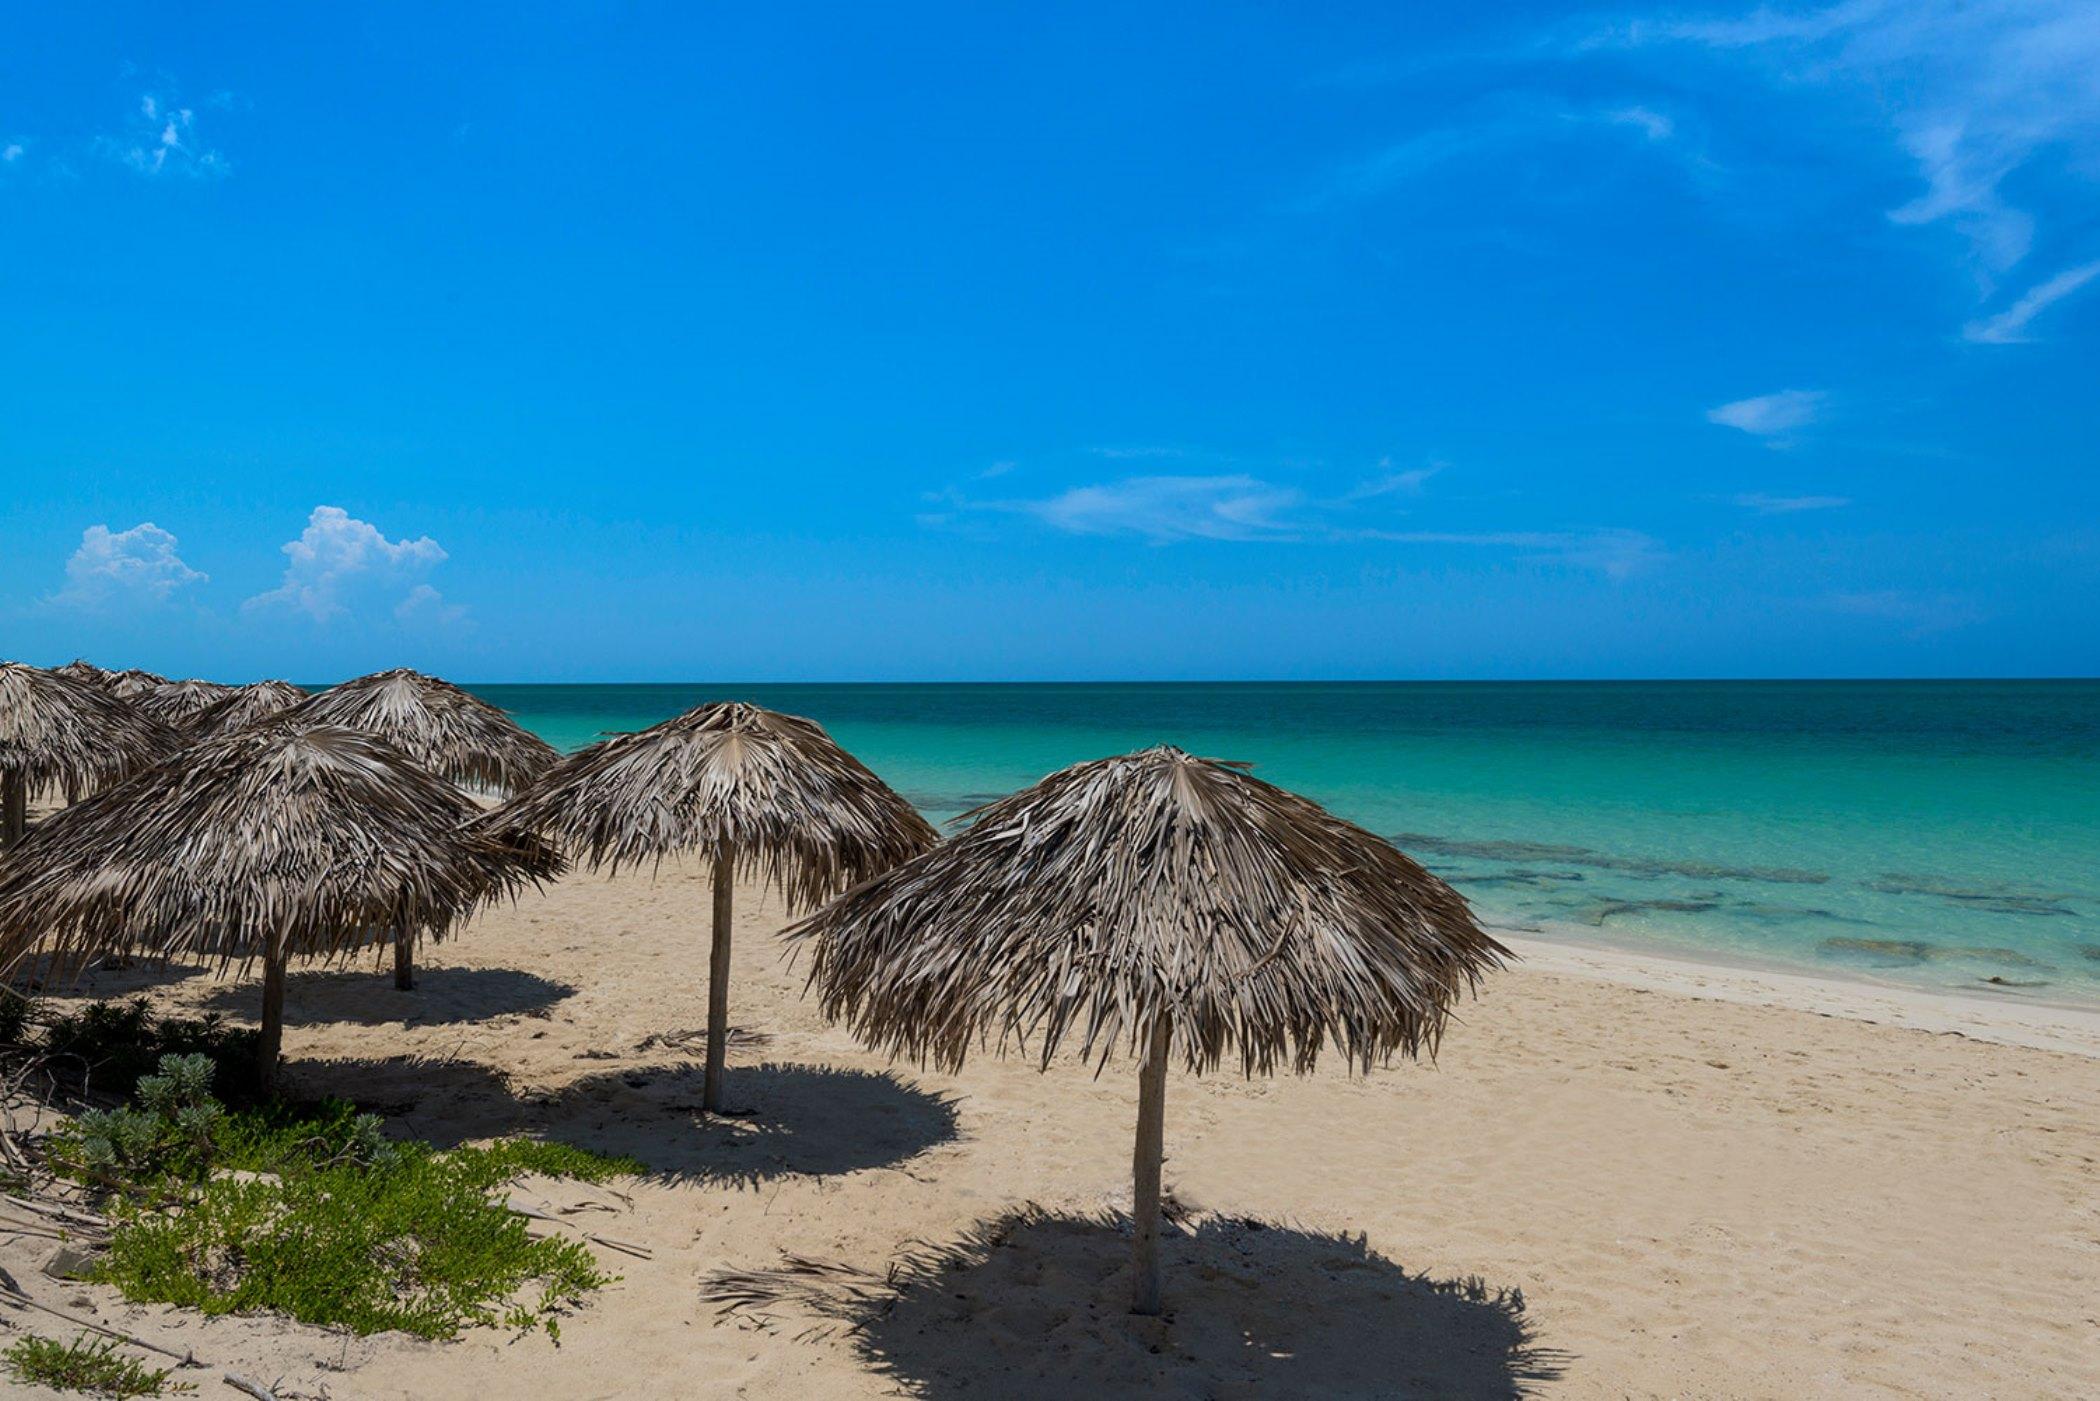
[(179, 703), (281, 840), (1171, 905), (444, 729), (749, 789), (81, 669), (66, 734), (133, 682), (256, 701)]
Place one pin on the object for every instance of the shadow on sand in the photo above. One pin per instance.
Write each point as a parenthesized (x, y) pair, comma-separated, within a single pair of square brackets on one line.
[(442, 996), (1034, 1304), (102, 980), (807, 1120), (804, 1120)]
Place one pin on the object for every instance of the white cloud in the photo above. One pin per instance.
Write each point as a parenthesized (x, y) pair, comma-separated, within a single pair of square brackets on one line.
[(1973, 94), (340, 564), (1919, 614), (1770, 415), (1391, 483), (161, 139), (11, 152), (1241, 508), (1615, 553), (120, 568), (1173, 508), (1656, 126), (426, 607), (1766, 505), (2009, 327)]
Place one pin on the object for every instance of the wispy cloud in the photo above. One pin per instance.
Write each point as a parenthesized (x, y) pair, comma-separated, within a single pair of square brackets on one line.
[(1164, 510), (340, 565), (1391, 483), (12, 151), (1771, 416), (2009, 327), (1510, 123), (1920, 614), (124, 568), (1767, 505), (161, 139), (1615, 553), (1973, 95)]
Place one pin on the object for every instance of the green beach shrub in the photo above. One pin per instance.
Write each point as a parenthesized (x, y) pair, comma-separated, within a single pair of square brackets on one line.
[(310, 1211), (86, 1364)]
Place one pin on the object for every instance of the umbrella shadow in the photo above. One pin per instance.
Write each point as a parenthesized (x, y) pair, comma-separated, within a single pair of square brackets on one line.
[(102, 980), (807, 1121), (440, 1100), (442, 996), (1034, 1304)]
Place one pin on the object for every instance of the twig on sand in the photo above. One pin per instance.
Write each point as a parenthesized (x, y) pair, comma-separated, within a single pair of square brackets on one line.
[(640, 1252), (253, 1388)]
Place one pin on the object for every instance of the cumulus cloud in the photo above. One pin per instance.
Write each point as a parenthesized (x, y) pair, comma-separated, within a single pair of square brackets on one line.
[(162, 139), (1770, 415), (1767, 505), (341, 565), (124, 568)]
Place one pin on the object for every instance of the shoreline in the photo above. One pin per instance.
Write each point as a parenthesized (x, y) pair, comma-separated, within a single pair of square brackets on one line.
[(2035, 1025)]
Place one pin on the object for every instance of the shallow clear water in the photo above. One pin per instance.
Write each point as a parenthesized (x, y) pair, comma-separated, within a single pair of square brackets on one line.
[(1945, 833)]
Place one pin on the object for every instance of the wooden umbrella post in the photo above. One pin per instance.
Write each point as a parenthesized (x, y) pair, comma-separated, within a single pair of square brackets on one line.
[(718, 983), (272, 1043), (404, 958), (1145, 1167), (14, 809)]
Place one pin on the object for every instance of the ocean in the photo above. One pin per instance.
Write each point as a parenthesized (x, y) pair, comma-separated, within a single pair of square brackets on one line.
[(1933, 833)]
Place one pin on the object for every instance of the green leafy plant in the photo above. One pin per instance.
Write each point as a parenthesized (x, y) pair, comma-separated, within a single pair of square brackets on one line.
[(310, 1210), (86, 1364), (111, 1044)]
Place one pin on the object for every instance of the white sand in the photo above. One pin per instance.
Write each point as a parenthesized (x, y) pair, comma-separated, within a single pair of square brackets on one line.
[(1703, 1181)]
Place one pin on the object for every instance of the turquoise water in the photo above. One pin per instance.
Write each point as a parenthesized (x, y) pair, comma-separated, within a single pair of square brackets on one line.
[(1945, 833)]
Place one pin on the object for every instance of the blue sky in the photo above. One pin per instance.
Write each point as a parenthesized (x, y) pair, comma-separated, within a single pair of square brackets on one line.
[(604, 342)]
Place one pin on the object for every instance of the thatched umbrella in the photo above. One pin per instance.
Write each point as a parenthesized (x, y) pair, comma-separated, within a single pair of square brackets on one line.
[(133, 682), (72, 735), (256, 701), (81, 669), (451, 733), (752, 791), (1170, 906), (281, 840), (179, 703)]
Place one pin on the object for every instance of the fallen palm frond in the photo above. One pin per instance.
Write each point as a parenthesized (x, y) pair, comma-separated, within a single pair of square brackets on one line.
[(453, 734), (1152, 888), (772, 792)]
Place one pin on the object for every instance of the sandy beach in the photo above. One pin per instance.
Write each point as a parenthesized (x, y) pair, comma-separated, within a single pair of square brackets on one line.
[(1620, 1178)]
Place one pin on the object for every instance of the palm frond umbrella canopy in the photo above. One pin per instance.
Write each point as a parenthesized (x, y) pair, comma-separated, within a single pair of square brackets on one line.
[(179, 703), (258, 700), (750, 790), (81, 669), (133, 682), (444, 729), (1172, 907), (282, 840), (75, 736)]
